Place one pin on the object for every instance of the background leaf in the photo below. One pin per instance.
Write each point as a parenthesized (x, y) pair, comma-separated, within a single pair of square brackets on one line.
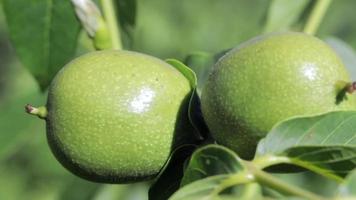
[(340, 22), (176, 28), (282, 14), (324, 143), (346, 53), (44, 34)]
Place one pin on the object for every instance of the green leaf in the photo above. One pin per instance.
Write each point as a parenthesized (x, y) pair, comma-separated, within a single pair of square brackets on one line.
[(348, 188), (346, 52), (168, 181), (218, 187), (325, 143), (215, 172), (186, 71), (282, 14), (330, 129), (211, 160), (194, 112), (44, 33)]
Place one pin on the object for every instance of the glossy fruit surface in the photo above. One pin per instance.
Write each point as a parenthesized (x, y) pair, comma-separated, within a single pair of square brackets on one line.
[(268, 79), (114, 116)]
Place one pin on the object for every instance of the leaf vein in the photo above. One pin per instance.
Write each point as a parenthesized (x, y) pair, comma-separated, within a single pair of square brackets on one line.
[(337, 127), (310, 128)]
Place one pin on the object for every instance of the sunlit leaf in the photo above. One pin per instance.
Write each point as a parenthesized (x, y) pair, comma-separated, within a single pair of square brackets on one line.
[(211, 160), (324, 143)]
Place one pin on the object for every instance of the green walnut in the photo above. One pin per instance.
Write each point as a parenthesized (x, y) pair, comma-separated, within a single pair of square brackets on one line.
[(268, 79), (115, 116)]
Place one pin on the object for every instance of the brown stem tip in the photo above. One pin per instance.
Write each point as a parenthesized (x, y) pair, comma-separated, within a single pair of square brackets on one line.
[(40, 112), (351, 87), (28, 108)]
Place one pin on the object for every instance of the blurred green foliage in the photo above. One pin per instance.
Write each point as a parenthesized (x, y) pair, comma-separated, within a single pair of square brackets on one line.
[(176, 28), (163, 28)]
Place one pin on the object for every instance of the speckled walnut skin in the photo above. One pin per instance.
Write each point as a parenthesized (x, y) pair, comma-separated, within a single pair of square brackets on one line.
[(268, 79), (115, 116)]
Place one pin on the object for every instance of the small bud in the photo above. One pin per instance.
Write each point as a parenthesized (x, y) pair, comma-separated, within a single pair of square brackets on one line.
[(88, 14), (93, 22)]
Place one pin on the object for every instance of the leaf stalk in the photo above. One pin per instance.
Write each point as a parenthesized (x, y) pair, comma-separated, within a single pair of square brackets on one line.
[(279, 185), (110, 16), (316, 16)]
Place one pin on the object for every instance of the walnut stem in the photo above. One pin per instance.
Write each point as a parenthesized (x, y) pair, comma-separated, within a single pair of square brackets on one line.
[(40, 112)]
